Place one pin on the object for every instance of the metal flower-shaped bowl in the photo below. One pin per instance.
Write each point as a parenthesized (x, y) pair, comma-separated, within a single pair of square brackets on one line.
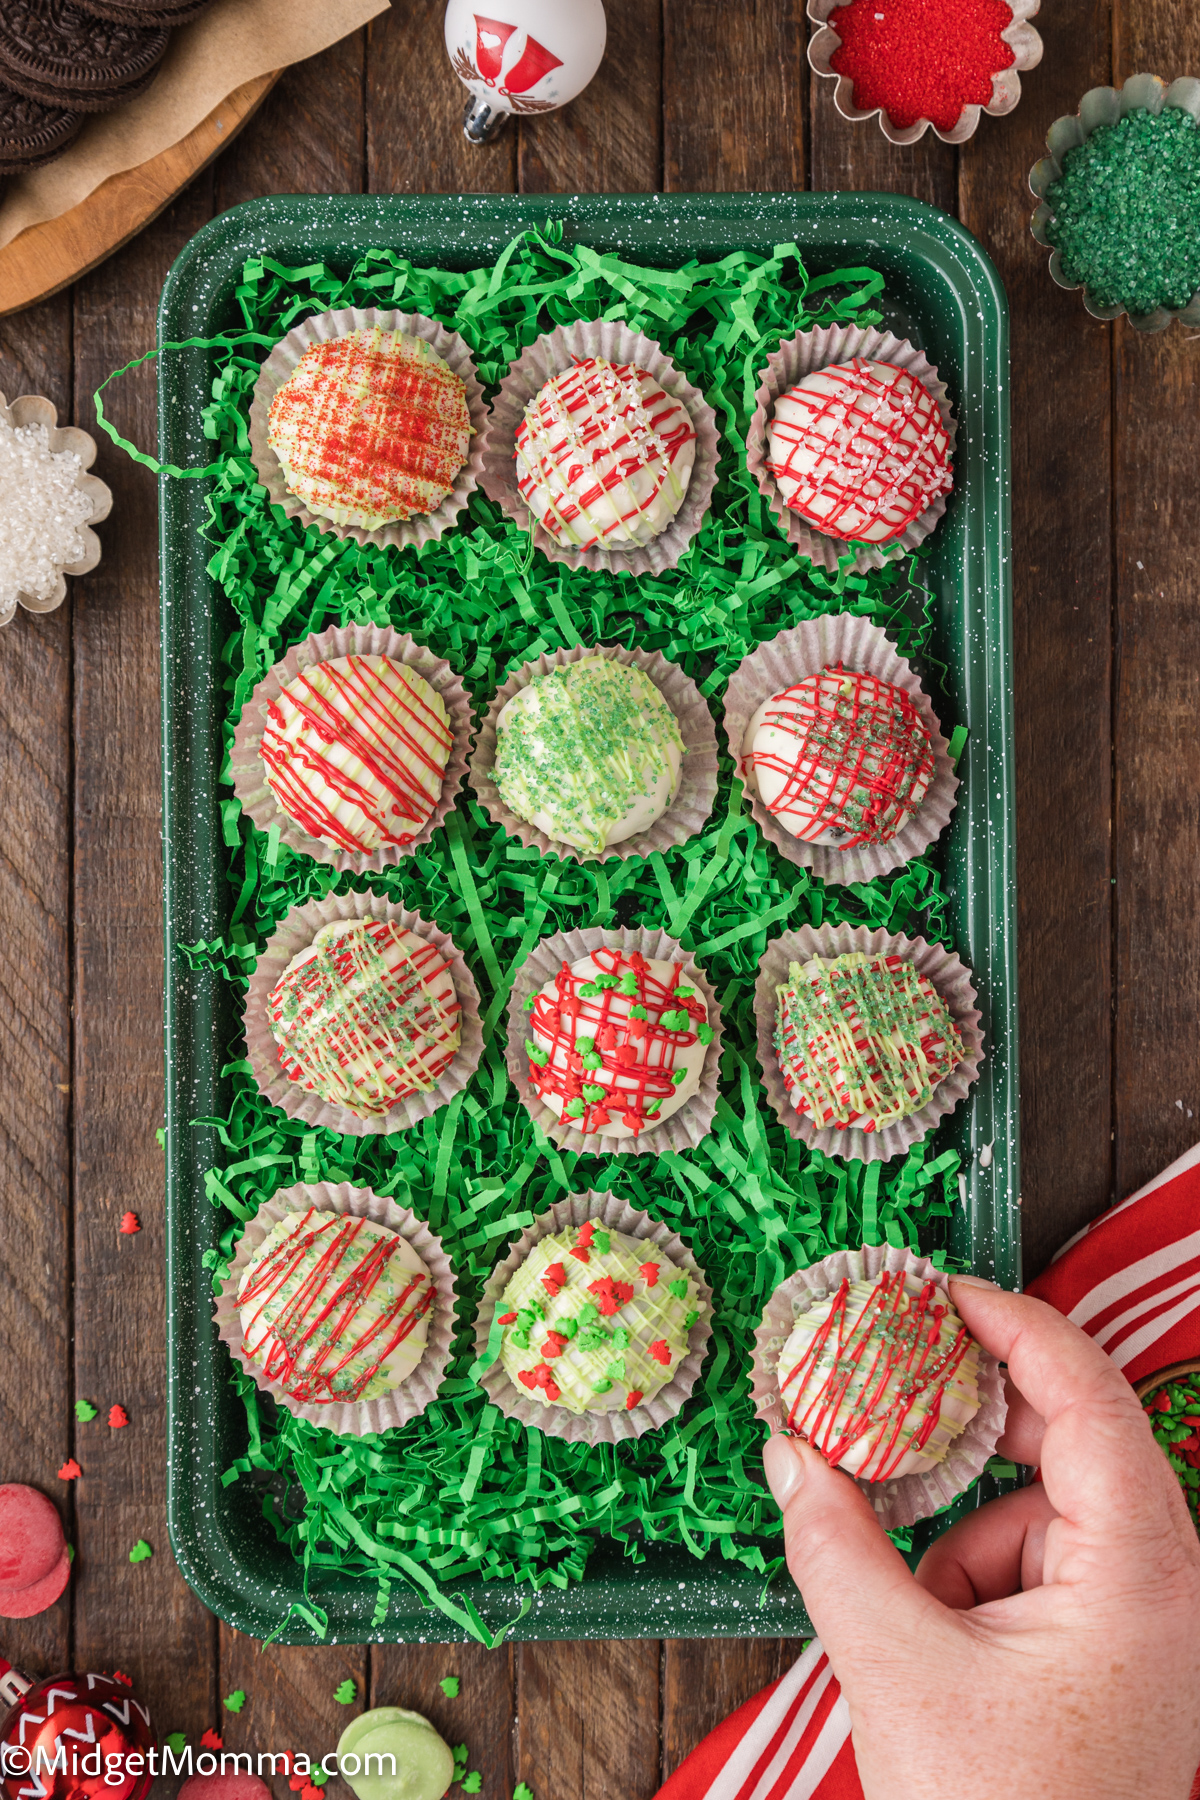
[(1106, 106), (1006, 83), (32, 409)]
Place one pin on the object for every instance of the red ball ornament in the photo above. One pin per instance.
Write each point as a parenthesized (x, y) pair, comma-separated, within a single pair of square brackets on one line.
[(62, 1736)]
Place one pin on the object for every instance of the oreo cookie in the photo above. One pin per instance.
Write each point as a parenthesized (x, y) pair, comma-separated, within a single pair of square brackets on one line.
[(166, 13), (53, 51), (32, 133)]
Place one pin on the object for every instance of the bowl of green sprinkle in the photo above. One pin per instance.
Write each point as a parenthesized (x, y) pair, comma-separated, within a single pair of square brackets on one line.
[(1171, 1401), (1119, 201)]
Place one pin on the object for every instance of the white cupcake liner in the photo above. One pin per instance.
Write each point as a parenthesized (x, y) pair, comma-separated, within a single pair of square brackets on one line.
[(33, 409), (688, 812), (1006, 83), (323, 328), (684, 1129), (247, 771), (556, 351), (804, 650), (349, 1418), (295, 931), (800, 356), (1107, 106), (907, 1498), (950, 977), (617, 1214)]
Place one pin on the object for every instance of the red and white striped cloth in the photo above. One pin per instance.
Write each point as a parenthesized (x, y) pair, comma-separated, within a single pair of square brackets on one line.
[(1131, 1280)]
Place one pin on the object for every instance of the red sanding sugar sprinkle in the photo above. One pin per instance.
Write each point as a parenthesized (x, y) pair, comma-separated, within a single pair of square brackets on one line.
[(922, 59)]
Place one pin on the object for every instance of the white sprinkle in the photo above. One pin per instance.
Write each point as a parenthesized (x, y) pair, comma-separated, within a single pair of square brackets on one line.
[(985, 1156), (41, 511), (1141, 565)]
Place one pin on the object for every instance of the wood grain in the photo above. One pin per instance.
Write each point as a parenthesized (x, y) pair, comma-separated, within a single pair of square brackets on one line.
[(588, 1719), (415, 142), (609, 139), (1157, 689), (858, 156), (36, 1422), (1062, 497), (410, 1675), (142, 1617), (735, 82), (51, 255), (704, 1680)]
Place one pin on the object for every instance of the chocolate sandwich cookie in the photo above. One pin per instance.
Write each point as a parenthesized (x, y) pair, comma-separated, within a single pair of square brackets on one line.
[(32, 133), (153, 13), (53, 51)]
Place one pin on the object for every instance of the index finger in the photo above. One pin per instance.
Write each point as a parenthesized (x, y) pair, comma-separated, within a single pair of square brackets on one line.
[(1100, 1464)]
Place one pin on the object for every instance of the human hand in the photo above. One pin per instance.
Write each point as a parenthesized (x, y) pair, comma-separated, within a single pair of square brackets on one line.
[(1049, 1644)]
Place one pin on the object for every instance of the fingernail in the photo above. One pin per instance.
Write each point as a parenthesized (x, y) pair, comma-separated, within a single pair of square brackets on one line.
[(784, 1469), (979, 1281)]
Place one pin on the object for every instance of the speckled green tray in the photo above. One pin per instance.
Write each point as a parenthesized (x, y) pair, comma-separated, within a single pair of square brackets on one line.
[(944, 294)]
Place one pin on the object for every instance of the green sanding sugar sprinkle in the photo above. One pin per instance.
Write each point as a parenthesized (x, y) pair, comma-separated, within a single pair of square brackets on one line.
[(1126, 213), (463, 1491)]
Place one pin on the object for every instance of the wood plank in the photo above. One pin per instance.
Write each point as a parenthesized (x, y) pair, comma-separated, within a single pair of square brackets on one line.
[(1157, 689), (609, 139), (415, 101), (49, 256), (289, 1699), (142, 1617), (858, 156), (481, 1717), (735, 85), (36, 1423), (309, 136), (1061, 396), (706, 1679), (588, 1719)]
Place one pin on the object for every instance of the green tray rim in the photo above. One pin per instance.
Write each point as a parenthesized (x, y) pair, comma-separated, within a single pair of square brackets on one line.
[(222, 1546)]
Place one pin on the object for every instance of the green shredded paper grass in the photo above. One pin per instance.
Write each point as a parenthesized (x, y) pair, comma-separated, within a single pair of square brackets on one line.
[(463, 1491)]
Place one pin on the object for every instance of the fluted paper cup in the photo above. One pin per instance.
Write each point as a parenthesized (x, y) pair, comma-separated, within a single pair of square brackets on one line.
[(611, 1211), (905, 1499), (799, 356), (247, 771), (295, 931), (806, 649), (684, 1129), (688, 812), (349, 1418), (323, 328), (949, 976), (555, 352), (1107, 106), (1006, 83)]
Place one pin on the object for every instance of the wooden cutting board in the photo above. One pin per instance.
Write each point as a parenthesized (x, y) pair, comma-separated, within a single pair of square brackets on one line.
[(51, 255)]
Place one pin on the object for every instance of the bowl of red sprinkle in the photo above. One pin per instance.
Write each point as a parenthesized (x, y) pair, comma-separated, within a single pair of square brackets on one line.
[(921, 63)]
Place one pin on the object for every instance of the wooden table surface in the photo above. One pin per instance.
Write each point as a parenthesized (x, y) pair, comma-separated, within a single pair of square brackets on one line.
[(693, 94)]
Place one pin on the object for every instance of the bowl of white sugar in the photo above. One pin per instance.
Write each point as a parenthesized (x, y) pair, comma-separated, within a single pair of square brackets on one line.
[(48, 505)]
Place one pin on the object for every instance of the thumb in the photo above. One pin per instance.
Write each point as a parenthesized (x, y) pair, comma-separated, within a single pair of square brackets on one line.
[(855, 1583)]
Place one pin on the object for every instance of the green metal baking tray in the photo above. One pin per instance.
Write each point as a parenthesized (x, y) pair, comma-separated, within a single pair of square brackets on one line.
[(942, 292)]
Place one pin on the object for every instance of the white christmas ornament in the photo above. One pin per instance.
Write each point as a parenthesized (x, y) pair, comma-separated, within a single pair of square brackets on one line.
[(521, 56)]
